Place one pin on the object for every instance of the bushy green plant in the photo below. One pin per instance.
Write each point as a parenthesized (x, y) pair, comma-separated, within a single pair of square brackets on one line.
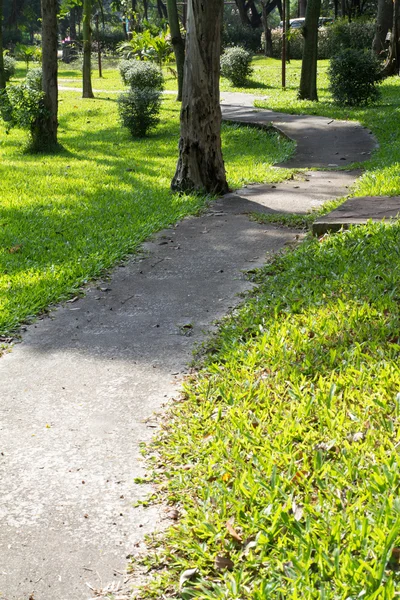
[(141, 75), (235, 33), (358, 34), (139, 110), (354, 75), (9, 66), (33, 79), (236, 65)]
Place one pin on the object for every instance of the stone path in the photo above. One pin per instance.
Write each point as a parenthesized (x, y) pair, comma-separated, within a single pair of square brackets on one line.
[(79, 392)]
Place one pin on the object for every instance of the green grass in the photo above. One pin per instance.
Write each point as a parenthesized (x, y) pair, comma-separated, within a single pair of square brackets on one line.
[(66, 218), (283, 454)]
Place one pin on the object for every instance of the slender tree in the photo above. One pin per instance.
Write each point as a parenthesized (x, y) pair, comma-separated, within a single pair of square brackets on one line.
[(87, 91), (2, 73), (200, 165), (392, 65), (308, 80), (44, 130), (177, 42)]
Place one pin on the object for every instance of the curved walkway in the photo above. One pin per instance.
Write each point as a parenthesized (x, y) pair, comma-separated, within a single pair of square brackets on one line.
[(78, 394)]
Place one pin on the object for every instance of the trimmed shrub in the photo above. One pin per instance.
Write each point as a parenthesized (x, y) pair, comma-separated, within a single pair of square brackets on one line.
[(236, 65), (354, 75), (139, 110), (9, 66), (141, 75), (33, 79)]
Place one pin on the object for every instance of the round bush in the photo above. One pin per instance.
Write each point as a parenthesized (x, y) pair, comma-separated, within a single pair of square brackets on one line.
[(9, 66), (235, 65), (33, 79), (354, 75), (141, 75), (139, 110)]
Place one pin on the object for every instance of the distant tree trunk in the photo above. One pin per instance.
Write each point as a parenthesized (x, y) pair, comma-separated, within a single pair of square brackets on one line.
[(162, 10), (308, 80), (2, 73), (267, 30), (87, 91), (392, 65), (146, 9), (302, 8), (248, 13), (200, 165), (384, 20), (72, 23), (177, 42), (44, 130)]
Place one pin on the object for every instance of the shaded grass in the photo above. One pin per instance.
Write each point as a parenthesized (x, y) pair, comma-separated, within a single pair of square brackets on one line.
[(66, 218), (282, 456)]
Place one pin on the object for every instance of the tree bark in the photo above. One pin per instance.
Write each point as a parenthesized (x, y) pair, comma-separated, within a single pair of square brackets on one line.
[(146, 9), (384, 20), (87, 91), (177, 43), (308, 80), (72, 23), (302, 8), (200, 165), (267, 30), (44, 129), (392, 65), (248, 13), (2, 73)]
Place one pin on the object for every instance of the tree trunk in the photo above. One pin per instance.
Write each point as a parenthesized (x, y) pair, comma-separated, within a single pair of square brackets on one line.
[(146, 9), (162, 10), (384, 20), (392, 65), (44, 130), (248, 13), (2, 73), (200, 165), (308, 80), (87, 91), (302, 8), (72, 23), (177, 42), (267, 30)]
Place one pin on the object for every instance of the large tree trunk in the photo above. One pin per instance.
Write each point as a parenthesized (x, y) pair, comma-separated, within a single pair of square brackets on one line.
[(87, 91), (177, 42), (302, 8), (308, 80), (2, 73), (200, 165), (384, 20), (44, 130)]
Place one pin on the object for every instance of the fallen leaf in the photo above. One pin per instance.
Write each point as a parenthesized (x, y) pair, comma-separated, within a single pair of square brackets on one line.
[(232, 531), (297, 511), (15, 249), (187, 576), (223, 562)]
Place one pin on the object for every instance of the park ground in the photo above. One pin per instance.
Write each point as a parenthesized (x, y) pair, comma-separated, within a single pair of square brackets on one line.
[(281, 458)]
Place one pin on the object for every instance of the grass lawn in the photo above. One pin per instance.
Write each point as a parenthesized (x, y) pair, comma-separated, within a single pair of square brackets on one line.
[(282, 457), (65, 219)]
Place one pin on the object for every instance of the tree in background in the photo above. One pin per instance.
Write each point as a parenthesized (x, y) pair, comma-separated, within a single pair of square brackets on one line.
[(308, 79), (2, 72), (200, 165), (87, 91), (177, 43), (44, 131), (384, 20)]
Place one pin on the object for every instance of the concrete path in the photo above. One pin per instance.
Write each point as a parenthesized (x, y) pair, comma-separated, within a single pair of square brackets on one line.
[(78, 394)]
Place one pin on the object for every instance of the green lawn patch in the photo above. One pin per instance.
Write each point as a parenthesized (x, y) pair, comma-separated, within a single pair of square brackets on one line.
[(66, 218), (283, 455)]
